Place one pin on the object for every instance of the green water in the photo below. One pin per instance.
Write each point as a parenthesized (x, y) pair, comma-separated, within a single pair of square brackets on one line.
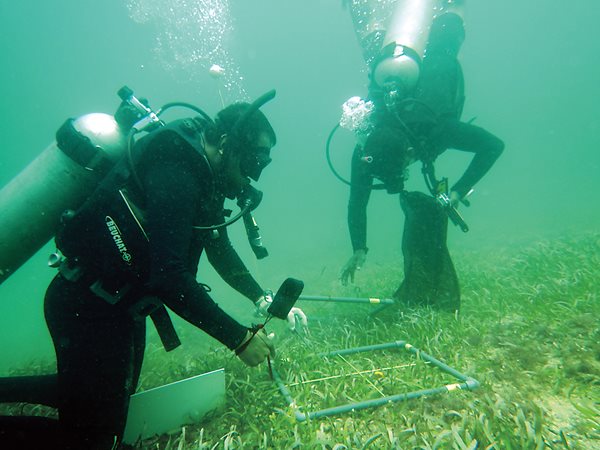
[(531, 71)]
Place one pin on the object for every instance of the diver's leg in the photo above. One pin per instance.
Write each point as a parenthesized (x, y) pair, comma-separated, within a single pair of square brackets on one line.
[(94, 345), (467, 137), (28, 433), (139, 346), (37, 389)]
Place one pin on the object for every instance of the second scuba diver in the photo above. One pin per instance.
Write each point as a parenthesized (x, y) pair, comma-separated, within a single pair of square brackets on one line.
[(410, 123)]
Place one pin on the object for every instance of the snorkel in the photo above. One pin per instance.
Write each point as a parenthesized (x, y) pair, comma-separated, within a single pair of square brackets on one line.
[(252, 162)]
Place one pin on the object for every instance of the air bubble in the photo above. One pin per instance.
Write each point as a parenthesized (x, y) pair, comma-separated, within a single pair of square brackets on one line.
[(191, 38)]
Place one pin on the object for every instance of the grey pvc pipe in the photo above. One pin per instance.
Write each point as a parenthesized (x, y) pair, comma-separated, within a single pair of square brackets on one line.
[(401, 344), (366, 348), (467, 384)]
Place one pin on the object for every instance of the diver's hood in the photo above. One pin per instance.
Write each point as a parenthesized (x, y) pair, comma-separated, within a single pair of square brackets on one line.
[(253, 159)]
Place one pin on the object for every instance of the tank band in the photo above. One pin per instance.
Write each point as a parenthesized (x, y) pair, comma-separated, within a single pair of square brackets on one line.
[(81, 149), (394, 50)]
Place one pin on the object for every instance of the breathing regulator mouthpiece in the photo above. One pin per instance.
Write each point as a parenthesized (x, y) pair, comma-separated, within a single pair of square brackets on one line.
[(249, 198)]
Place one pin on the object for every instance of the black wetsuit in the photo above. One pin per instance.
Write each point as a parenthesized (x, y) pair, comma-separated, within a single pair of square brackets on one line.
[(432, 119), (100, 346)]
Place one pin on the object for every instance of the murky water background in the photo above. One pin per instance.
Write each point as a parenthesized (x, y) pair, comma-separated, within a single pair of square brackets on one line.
[(531, 72)]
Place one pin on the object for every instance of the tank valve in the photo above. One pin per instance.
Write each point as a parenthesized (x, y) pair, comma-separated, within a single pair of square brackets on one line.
[(54, 260)]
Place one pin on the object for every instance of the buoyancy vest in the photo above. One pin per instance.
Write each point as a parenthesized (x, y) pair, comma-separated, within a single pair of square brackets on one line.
[(104, 240), (106, 234)]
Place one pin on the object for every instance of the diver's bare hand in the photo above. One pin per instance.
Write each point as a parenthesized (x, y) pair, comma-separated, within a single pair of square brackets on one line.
[(355, 263)]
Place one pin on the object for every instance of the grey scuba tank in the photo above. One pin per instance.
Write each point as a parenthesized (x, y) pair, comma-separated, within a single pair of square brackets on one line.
[(60, 178)]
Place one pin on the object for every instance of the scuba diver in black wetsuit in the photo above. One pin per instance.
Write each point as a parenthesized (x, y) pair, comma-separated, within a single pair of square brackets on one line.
[(133, 248), (417, 120)]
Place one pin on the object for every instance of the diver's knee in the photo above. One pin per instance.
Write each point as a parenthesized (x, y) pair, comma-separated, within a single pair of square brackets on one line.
[(496, 147)]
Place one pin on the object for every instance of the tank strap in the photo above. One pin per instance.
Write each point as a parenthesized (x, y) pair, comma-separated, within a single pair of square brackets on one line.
[(154, 307), (164, 327), (394, 50), (81, 149), (110, 294)]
